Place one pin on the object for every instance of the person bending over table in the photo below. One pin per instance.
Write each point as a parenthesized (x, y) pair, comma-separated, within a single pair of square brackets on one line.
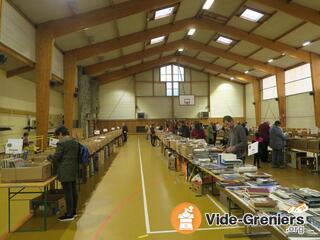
[(237, 142), (65, 161)]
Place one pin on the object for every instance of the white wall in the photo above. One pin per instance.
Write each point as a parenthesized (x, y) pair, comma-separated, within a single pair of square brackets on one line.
[(20, 35), (117, 100), (250, 109), (57, 62), (269, 110), (17, 33), (300, 111), (17, 93), (226, 98)]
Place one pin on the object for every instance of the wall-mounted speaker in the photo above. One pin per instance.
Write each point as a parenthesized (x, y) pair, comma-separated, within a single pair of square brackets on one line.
[(277, 99), (3, 58), (311, 93)]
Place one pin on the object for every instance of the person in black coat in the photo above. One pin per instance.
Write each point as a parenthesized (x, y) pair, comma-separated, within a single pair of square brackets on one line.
[(125, 132), (184, 130)]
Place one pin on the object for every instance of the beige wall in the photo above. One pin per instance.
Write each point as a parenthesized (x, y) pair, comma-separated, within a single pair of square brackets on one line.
[(151, 99), (226, 98), (117, 100), (300, 110), (19, 94)]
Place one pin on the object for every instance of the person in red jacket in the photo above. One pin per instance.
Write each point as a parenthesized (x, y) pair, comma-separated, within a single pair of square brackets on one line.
[(264, 132), (198, 132)]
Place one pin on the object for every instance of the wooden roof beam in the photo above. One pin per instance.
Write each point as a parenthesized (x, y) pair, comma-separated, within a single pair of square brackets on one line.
[(85, 20), (255, 39), (294, 9), (109, 45), (103, 66), (106, 46), (206, 65), (116, 75), (232, 56), (187, 44)]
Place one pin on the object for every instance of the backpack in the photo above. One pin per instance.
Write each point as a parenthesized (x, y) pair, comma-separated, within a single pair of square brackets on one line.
[(83, 154)]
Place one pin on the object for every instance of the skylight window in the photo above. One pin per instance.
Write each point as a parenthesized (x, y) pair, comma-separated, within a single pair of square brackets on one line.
[(224, 40), (207, 5), (191, 31), (157, 40), (251, 15), (162, 13)]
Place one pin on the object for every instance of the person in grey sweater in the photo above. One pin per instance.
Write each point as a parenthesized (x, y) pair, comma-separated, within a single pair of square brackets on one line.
[(238, 142), (277, 143)]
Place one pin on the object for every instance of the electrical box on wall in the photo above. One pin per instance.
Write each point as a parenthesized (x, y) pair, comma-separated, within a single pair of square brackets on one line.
[(203, 114), (141, 115)]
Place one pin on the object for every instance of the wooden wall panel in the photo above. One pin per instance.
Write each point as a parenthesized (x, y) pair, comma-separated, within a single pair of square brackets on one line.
[(257, 100)]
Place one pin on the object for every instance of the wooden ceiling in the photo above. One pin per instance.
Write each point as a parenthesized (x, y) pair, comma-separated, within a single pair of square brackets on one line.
[(110, 37)]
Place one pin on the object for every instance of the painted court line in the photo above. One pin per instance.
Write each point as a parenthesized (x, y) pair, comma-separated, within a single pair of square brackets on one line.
[(145, 204), (215, 203), (200, 229)]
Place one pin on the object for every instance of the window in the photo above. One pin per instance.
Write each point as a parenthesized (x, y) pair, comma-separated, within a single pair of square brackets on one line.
[(224, 40), (251, 15), (269, 88), (298, 80), (172, 75), (164, 13), (157, 40)]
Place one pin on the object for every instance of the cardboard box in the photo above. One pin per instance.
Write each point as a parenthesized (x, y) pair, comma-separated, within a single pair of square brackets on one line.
[(56, 204), (33, 172)]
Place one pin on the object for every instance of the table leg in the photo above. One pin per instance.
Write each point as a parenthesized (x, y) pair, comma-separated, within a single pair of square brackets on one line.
[(9, 210), (45, 204)]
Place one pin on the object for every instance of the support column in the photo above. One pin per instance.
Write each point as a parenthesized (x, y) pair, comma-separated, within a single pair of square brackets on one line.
[(257, 100), (315, 71), (281, 97), (69, 65), (44, 42)]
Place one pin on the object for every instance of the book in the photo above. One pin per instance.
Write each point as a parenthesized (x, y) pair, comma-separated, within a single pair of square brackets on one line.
[(258, 191), (263, 202)]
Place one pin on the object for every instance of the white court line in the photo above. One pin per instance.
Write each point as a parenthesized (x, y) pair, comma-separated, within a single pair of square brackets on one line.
[(200, 229), (146, 213), (215, 203), (145, 204)]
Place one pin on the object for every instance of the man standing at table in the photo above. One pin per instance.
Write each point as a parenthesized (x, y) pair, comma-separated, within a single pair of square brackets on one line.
[(238, 142), (125, 132), (65, 161)]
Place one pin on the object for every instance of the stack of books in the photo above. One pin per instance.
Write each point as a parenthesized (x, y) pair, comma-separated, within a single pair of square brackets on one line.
[(231, 162), (263, 202), (309, 196), (12, 163), (246, 168), (257, 175), (252, 192)]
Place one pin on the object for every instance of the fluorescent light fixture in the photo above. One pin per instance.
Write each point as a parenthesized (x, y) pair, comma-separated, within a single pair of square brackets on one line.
[(207, 5), (157, 40), (246, 72), (224, 40), (270, 60), (180, 50), (251, 15), (306, 43), (232, 78), (162, 13), (191, 31), (283, 54)]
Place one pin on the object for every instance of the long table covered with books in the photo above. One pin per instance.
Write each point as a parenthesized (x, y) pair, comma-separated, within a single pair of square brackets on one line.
[(246, 188), (35, 175)]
